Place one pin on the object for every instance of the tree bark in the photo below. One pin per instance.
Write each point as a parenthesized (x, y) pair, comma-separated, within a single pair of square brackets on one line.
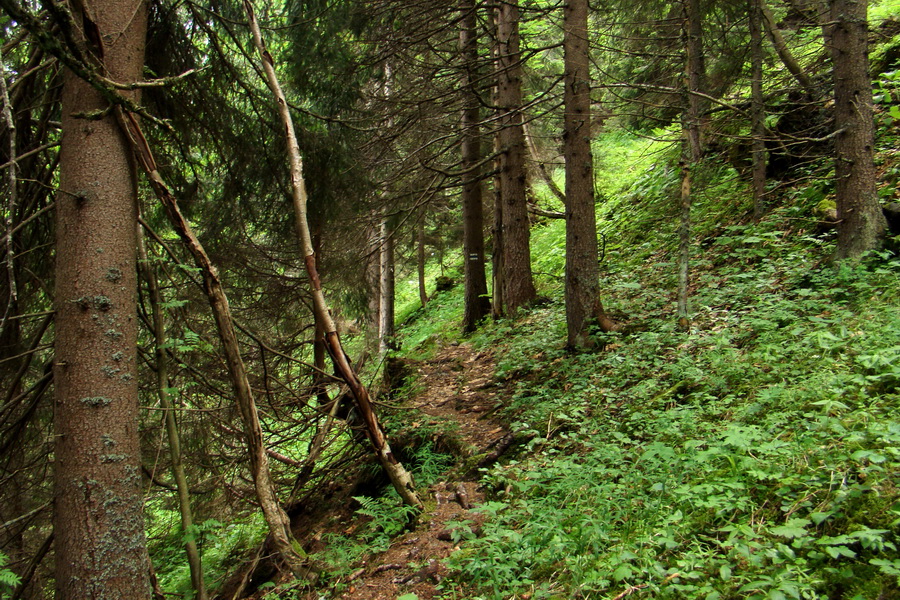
[(861, 224), (518, 282), (476, 303), (757, 114), (691, 148), (98, 520), (582, 293), (386, 288), (420, 259), (497, 281), (162, 385), (12, 197), (372, 274), (399, 477)]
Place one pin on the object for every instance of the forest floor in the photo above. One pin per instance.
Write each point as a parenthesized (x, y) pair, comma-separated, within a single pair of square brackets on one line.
[(455, 386)]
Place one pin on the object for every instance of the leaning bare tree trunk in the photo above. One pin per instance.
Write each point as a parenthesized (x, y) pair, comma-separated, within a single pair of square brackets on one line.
[(162, 385), (784, 52), (279, 525), (539, 165), (399, 476), (861, 224)]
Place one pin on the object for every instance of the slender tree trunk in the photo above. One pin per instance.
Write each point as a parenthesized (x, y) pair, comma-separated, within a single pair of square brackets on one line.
[(691, 149), (12, 197), (279, 525), (162, 386), (400, 478), (518, 282), (476, 303), (320, 352), (373, 288), (12, 540), (420, 259), (98, 518), (861, 224), (757, 115), (386, 288), (582, 275)]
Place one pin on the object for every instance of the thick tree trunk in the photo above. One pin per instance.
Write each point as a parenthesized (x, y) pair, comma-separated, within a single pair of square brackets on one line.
[(98, 519), (162, 385), (861, 224), (757, 114), (399, 477), (518, 282), (476, 303), (582, 276)]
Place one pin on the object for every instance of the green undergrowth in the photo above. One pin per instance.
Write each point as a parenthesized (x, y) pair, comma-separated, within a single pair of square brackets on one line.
[(756, 456), (753, 458)]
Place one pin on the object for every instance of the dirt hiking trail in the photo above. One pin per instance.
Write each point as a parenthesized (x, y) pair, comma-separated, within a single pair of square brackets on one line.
[(457, 385)]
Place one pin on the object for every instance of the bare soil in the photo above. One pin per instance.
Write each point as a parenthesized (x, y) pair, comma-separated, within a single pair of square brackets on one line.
[(457, 385)]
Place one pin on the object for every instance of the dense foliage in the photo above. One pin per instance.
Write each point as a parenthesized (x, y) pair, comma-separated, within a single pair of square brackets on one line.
[(755, 456)]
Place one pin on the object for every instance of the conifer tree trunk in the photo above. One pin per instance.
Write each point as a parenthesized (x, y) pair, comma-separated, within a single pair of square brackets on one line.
[(476, 303), (386, 288), (518, 282), (861, 224), (400, 477), (373, 287), (98, 520), (582, 275), (420, 259), (497, 284), (757, 114), (691, 150)]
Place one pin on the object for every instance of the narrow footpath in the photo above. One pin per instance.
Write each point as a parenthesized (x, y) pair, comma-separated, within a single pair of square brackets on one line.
[(458, 386)]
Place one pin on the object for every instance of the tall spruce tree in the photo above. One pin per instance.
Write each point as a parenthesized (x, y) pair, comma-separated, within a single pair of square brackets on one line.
[(861, 224), (98, 522)]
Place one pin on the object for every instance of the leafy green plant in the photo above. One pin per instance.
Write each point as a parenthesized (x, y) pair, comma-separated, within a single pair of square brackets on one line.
[(389, 518), (8, 579)]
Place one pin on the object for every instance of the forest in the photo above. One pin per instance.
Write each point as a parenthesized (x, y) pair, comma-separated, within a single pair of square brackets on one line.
[(411, 300)]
